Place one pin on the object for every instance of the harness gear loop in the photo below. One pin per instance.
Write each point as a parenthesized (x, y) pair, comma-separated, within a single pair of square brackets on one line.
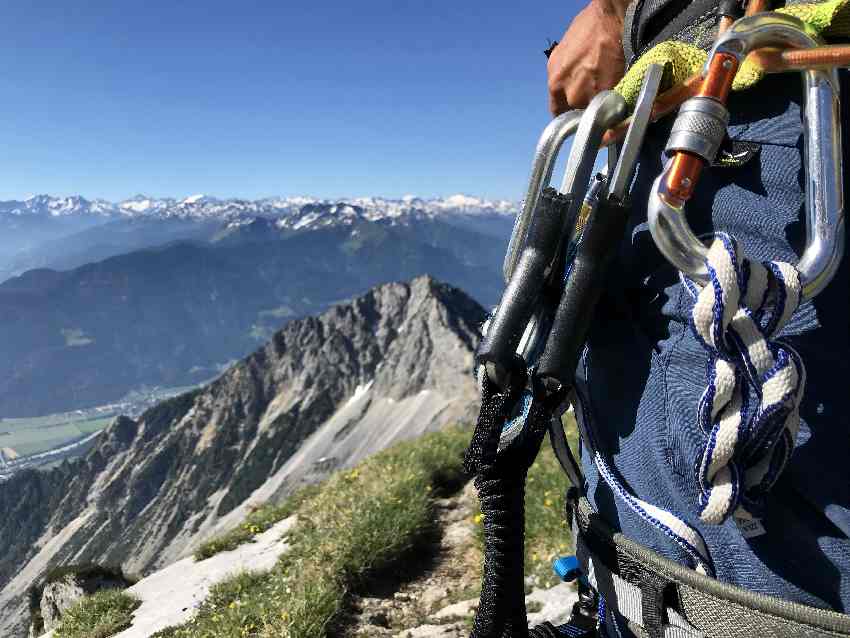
[(699, 130), (697, 606)]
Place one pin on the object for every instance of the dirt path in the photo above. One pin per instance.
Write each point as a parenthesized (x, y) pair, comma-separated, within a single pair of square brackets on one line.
[(434, 594)]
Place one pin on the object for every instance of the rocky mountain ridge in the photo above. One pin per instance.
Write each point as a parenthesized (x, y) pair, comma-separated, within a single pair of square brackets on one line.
[(323, 393)]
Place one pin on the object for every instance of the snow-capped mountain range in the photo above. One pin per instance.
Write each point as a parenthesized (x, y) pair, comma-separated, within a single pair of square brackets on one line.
[(62, 233), (48, 206), (292, 212)]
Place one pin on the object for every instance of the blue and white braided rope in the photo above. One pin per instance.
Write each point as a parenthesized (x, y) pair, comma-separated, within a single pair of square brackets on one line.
[(737, 316)]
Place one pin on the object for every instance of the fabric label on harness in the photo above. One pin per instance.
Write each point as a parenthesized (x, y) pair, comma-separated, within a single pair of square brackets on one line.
[(750, 527)]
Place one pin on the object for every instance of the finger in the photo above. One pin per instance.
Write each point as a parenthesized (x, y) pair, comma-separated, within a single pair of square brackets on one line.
[(579, 94), (558, 102)]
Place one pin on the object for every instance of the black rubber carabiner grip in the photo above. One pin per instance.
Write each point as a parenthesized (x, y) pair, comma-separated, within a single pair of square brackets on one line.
[(523, 291), (599, 242)]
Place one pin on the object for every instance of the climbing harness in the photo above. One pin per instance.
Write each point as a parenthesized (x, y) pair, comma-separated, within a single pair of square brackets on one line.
[(555, 269)]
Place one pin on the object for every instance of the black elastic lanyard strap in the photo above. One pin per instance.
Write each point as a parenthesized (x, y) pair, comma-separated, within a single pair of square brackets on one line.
[(500, 481)]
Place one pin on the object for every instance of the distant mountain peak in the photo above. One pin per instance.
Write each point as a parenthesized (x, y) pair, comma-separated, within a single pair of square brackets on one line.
[(50, 206), (463, 200), (197, 199)]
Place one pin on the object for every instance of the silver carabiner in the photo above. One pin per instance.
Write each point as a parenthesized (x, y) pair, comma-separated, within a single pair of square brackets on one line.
[(548, 147), (605, 109), (541, 231), (699, 129)]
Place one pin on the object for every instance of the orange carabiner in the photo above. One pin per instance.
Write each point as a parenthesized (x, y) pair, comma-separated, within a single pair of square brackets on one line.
[(686, 167)]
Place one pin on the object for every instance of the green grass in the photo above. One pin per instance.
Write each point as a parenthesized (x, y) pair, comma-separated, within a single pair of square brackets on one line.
[(100, 615), (359, 521), (546, 534), (93, 425), (79, 571), (32, 422), (31, 441), (32, 435), (257, 522)]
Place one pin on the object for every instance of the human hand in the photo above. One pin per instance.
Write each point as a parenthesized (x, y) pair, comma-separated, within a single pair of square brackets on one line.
[(589, 58)]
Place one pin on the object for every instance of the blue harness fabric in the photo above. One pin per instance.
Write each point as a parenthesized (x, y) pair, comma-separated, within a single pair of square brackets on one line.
[(664, 492), (643, 350)]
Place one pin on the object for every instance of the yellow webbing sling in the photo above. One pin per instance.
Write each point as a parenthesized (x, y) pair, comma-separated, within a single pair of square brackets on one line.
[(830, 19)]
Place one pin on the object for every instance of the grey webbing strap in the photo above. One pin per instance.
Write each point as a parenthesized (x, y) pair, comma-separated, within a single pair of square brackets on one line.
[(632, 12), (688, 604), (563, 453)]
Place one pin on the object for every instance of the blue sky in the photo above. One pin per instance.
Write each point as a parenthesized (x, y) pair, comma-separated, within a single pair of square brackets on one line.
[(248, 99)]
